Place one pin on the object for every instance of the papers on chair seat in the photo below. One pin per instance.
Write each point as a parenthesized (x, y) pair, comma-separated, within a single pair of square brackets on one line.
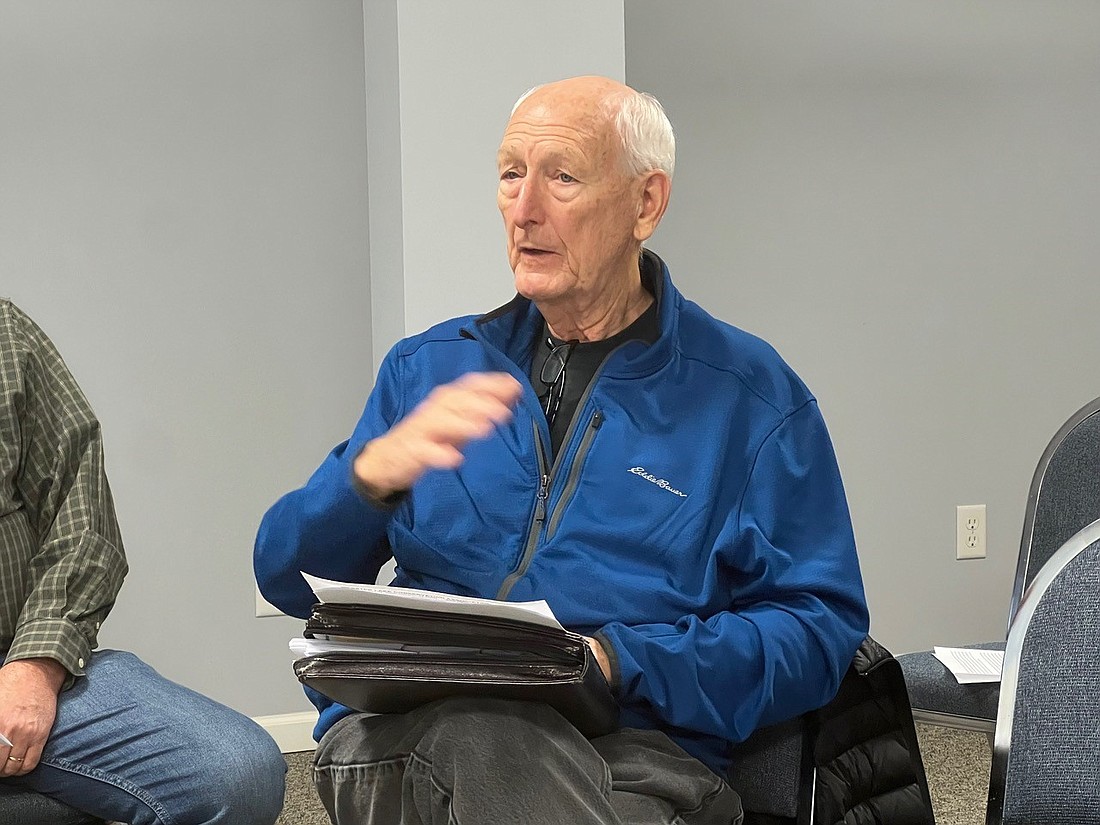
[(327, 590), (971, 665)]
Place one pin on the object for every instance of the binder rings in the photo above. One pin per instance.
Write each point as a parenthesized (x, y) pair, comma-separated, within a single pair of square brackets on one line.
[(389, 659)]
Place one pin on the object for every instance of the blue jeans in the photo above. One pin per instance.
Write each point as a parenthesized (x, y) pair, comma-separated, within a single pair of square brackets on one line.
[(497, 762), (130, 746)]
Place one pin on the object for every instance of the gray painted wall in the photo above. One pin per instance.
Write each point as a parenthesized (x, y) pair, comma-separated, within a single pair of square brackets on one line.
[(902, 198), (183, 209), (387, 247)]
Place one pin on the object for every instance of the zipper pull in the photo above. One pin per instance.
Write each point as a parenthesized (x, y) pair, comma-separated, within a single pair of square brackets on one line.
[(597, 420), (540, 501)]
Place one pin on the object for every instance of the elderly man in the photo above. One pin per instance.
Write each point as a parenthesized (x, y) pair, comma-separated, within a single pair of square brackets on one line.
[(97, 729), (662, 479)]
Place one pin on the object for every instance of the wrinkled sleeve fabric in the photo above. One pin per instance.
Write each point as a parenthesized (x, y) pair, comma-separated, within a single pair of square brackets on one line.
[(62, 551), (328, 528), (796, 613)]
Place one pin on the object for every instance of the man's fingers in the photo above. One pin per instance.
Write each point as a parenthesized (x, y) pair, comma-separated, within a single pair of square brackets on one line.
[(492, 395), (31, 758), (499, 384), (28, 739), (14, 765), (14, 761), (440, 456), (465, 409), (481, 407), (445, 425), (433, 435), (10, 757)]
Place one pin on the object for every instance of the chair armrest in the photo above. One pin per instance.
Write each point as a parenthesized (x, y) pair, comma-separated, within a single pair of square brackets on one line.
[(771, 769)]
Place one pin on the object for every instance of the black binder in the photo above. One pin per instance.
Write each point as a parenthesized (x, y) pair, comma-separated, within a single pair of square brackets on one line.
[(424, 655)]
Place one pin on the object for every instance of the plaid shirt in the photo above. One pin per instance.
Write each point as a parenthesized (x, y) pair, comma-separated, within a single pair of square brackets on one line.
[(61, 557)]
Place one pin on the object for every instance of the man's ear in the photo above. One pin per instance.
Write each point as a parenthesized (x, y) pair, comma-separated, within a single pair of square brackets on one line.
[(656, 191)]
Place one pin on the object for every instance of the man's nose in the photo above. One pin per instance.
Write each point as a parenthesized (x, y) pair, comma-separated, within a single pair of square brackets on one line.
[(528, 206)]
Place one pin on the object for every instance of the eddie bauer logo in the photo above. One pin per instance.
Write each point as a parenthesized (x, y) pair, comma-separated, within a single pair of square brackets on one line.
[(660, 482)]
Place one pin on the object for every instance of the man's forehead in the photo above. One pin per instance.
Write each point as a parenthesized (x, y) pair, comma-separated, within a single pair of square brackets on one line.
[(548, 107), (523, 133), (516, 149), (577, 93), (552, 129)]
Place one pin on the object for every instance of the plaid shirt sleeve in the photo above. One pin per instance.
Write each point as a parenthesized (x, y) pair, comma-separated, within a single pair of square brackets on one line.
[(61, 557)]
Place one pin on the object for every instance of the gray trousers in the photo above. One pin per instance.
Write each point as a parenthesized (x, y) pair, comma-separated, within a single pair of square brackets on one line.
[(489, 762)]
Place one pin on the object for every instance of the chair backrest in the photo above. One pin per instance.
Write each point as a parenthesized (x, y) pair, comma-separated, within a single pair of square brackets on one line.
[(1064, 495), (1048, 721)]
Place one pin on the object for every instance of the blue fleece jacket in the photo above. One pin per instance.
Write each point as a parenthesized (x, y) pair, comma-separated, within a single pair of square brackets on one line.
[(694, 519)]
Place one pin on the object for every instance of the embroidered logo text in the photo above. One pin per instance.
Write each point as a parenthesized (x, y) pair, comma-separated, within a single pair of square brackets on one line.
[(660, 482)]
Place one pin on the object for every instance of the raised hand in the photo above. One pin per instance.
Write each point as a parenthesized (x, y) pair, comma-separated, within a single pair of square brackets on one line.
[(435, 433)]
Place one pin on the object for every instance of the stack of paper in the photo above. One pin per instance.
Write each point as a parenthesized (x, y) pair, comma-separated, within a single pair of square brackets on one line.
[(327, 590), (971, 665), (391, 649)]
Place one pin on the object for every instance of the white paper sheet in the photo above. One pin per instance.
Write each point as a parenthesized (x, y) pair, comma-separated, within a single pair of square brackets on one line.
[(971, 666), (302, 647), (327, 590)]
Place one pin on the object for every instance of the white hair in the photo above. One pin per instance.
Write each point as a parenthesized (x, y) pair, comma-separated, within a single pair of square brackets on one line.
[(642, 126)]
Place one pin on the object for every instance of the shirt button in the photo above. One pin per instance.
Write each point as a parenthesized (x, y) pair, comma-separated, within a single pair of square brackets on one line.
[(80, 662)]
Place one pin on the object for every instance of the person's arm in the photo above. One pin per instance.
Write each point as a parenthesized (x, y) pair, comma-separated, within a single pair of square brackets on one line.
[(797, 610), (335, 526), (64, 562), (63, 503), (328, 527)]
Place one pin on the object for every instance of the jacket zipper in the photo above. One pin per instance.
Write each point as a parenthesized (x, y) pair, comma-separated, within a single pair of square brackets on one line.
[(537, 519), (574, 472), (546, 478), (541, 496)]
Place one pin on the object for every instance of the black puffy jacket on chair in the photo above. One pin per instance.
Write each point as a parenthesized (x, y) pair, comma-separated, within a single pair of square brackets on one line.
[(855, 761)]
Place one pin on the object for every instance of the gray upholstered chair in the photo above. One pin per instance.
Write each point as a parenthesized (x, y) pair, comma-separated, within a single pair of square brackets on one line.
[(1046, 752), (20, 807), (1064, 497)]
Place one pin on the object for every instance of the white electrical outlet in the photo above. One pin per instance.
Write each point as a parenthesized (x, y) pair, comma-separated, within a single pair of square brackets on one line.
[(970, 531), (264, 607)]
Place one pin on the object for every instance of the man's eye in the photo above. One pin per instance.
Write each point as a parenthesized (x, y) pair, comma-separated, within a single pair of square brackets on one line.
[(511, 174), (565, 177)]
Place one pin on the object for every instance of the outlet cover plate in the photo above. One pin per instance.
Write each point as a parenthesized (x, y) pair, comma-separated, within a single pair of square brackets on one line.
[(970, 531)]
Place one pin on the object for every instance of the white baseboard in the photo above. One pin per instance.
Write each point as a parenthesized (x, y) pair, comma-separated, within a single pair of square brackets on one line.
[(292, 732)]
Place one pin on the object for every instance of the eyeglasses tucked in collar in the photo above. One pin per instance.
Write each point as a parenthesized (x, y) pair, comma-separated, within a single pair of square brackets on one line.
[(552, 375)]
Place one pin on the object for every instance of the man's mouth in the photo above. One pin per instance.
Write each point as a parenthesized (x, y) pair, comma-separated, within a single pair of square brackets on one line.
[(534, 251)]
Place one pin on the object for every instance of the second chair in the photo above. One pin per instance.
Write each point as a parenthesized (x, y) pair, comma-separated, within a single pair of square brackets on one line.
[(1064, 497)]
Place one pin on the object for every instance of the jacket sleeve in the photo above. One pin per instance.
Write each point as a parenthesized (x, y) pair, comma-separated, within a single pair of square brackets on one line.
[(62, 502), (797, 611), (327, 528)]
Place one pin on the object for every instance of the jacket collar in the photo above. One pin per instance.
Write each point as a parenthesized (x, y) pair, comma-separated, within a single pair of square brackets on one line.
[(513, 328)]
